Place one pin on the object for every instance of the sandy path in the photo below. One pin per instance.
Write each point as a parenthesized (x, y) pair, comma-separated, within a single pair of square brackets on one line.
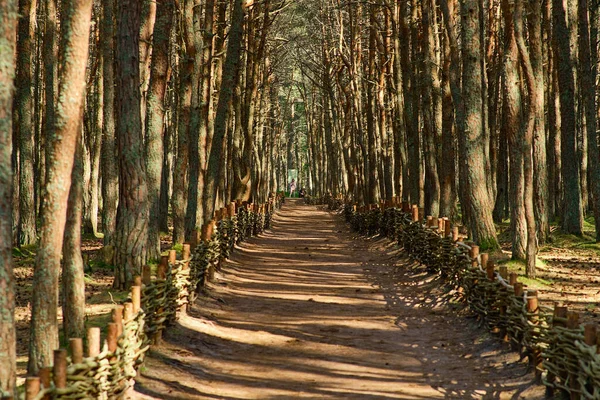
[(306, 311)]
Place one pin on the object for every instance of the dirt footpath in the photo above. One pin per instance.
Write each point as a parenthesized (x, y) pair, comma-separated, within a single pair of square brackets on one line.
[(307, 311)]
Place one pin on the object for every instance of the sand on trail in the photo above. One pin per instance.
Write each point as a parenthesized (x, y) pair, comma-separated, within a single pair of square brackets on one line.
[(307, 310)]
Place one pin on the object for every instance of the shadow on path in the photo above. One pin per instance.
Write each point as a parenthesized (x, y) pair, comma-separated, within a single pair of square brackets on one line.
[(306, 311)]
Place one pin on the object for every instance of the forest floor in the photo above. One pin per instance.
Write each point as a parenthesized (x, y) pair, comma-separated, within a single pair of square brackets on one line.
[(568, 271), (308, 311)]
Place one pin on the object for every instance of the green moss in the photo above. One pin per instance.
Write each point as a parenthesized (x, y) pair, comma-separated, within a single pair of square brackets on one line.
[(177, 247), (100, 264), (487, 244), (518, 267)]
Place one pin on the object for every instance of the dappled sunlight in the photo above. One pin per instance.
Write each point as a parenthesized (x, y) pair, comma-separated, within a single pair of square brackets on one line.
[(353, 319)]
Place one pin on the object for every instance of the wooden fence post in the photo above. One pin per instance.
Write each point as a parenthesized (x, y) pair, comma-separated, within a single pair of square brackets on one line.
[(76, 347), (93, 341), (32, 387), (45, 375), (59, 371)]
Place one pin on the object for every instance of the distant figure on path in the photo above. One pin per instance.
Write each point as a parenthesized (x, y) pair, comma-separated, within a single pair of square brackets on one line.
[(292, 187), (302, 193)]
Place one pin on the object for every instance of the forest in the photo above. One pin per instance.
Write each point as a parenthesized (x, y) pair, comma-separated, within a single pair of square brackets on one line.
[(125, 125)]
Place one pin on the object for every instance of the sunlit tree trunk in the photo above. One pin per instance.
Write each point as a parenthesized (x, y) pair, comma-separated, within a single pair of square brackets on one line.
[(74, 43), (73, 284), (155, 120)]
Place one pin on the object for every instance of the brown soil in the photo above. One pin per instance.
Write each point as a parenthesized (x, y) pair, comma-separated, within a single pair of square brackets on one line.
[(308, 311)]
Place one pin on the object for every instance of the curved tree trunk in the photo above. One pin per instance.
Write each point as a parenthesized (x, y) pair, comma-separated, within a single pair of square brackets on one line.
[(73, 284)]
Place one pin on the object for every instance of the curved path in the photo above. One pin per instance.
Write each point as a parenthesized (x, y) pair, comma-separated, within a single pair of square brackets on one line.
[(307, 311)]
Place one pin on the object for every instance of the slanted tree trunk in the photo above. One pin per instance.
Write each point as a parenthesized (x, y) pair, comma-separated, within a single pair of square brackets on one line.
[(132, 214), (527, 128), (230, 67), (73, 284), (8, 349), (74, 44)]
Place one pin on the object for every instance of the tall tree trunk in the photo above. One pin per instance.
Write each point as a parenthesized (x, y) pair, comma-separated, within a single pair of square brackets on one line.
[(431, 111), (74, 44), (50, 55), (8, 349), (192, 16), (180, 180), (527, 128), (155, 120), (448, 195), (511, 125), (73, 284), (230, 67), (132, 214), (588, 91), (23, 113), (476, 202), (540, 165), (572, 221), (110, 173)]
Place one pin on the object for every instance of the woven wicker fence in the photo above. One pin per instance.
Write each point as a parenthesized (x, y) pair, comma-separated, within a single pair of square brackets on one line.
[(110, 366), (564, 353)]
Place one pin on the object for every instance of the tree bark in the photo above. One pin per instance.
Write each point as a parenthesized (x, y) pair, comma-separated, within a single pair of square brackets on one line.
[(23, 113), (230, 67), (540, 164), (132, 213), (8, 350), (73, 284), (74, 44), (476, 202), (588, 92), (572, 220), (511, 122), (110, 173), (155, 119), (527, 128)]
